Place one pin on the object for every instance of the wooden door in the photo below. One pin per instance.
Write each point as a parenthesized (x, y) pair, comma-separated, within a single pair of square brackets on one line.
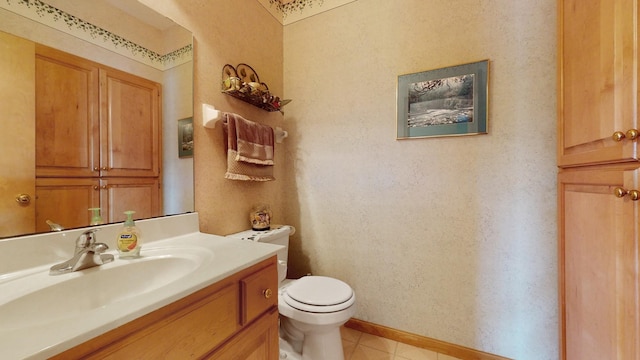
[(597, 78), (67, 123), (17, 121), (141, 195), (131, 131), (598, 258), (65, 201)]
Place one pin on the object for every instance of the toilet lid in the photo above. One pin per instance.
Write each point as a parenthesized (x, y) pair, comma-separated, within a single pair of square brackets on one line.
[(319, 294)]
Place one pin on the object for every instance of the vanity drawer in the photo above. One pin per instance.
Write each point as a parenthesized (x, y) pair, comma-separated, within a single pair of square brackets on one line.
[(259, 293)]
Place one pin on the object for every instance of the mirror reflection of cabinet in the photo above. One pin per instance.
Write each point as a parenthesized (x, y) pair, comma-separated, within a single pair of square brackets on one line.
[(97, 143), (93, 120), (69, 199)]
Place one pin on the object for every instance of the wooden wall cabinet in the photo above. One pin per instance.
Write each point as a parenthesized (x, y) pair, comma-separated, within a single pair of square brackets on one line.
[(598, 258), (597, 80), (598, 213), (205, 325), (98, 140)]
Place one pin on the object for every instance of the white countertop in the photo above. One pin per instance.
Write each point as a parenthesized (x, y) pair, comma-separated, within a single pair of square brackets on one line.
[(225, 256)]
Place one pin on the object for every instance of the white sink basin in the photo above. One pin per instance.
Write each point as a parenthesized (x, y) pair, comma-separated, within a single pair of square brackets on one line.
[(37, 299), (43, 315)]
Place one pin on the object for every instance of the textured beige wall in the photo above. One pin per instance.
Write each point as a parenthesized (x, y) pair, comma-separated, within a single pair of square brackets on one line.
[(230, 32), (450, 238)]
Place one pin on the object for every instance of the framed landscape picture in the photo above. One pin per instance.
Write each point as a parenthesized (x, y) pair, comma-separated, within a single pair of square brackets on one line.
[(451, 101)]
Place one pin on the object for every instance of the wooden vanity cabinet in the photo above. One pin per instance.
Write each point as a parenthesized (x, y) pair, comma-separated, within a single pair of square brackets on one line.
[(235, 318), (598, 213)]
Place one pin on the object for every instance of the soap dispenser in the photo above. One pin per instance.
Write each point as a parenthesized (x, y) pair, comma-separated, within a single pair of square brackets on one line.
[(129, 240), (96, 219)]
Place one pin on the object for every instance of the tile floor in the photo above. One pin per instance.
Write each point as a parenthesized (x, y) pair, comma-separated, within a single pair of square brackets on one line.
[(361, 346)]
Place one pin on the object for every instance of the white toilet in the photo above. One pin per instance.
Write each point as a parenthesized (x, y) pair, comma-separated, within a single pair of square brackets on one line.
[(312, 308)]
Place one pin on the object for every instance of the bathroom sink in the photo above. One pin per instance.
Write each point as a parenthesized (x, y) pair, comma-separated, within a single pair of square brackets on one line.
[(37, 299)]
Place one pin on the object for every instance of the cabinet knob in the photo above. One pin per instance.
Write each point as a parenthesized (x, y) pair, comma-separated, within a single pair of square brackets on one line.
[(95, 187), (634, 195), (618, 136), (104, 168), (96, 168), (267, 293), (23, 199), (631, 134)]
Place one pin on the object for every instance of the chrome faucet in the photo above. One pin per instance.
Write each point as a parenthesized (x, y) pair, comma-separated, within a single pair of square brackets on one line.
[(88, 254), (54, 226)]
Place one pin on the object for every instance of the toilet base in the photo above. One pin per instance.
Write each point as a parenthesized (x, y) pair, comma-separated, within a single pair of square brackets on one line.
[(287, 352), (312, 345)]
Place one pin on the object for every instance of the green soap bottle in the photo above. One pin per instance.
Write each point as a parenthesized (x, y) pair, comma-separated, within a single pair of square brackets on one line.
[(129, 240), (96, 219)]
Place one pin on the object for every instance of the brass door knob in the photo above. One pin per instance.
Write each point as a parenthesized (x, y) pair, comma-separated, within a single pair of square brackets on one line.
[(23, 199), (632, 134), (634, 195), (618, 136), (267, 293)]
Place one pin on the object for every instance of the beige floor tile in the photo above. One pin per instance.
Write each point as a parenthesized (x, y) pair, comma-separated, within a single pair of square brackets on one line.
[(350, 334), (446, 357), (347, 348), (410, 352), (378, 343), (367, 353)]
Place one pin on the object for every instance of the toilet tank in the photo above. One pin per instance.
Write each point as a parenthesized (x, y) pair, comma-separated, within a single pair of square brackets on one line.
[(278, 235)]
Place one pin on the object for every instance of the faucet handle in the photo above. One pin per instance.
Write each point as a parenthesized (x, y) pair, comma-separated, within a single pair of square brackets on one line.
[(99, 248), (86, 239)]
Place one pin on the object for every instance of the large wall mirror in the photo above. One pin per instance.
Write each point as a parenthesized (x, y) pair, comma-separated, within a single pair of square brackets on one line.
[(123, 35)]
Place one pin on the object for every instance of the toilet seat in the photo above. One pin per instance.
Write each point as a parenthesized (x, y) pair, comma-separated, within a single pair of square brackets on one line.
[(319, 294)]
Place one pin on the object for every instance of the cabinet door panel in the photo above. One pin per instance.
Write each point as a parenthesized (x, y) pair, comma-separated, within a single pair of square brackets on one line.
[(131, 126), (65, 201), (598, 256), (67, 123), (256, 342), (187, 336), (141, 195), (596, 80)]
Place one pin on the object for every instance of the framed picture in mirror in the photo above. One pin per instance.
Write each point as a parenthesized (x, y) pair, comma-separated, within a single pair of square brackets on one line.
[(185, 137)]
